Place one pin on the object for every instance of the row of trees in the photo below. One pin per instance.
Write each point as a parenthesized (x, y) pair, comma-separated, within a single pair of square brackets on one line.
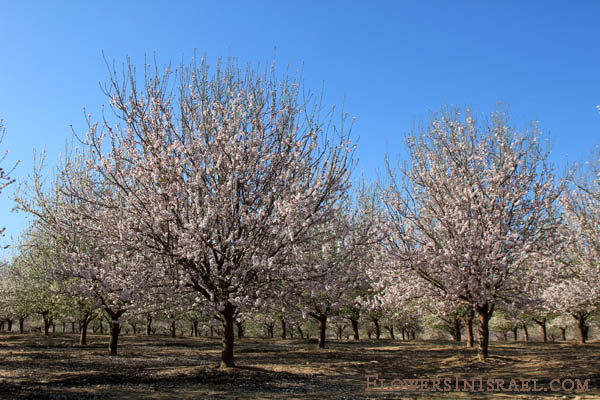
[(229, 193), (31, 302)]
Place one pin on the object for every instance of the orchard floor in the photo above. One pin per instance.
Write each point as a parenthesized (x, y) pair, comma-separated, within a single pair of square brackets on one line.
[(159, 367)]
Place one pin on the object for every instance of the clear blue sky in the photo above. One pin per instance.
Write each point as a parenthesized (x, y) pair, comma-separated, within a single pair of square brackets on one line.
[(393, 60)]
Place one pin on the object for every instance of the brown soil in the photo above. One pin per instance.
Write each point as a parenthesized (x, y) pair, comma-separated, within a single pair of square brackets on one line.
[(159, 367)]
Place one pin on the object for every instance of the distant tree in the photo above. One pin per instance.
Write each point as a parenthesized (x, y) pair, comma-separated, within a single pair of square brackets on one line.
[(85, 263), (37, 292), (5, 179), (575, 285), (471, 208)]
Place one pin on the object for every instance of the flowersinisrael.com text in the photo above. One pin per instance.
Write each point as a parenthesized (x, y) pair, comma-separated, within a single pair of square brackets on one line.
[(475, 384)]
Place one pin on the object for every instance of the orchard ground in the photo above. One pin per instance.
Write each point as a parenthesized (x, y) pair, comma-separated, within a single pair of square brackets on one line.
[(160, 367)]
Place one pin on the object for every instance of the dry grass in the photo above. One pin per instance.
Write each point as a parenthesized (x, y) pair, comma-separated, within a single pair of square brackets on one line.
[(160, 368)]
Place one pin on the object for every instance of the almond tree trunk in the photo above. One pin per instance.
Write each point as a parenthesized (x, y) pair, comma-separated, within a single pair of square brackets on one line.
[(377, 328), (542, 323), (83, 327), (283, 329), (226, 317), (115, 329), (322, 330), (484, 313), (391, 331), (47, 322), (148, 326), (468, 320), (456, 327), (354, 323), (300, 331), (173, 328), (582, 327), (83, 333), (22, 325), (240, 329), (269, 330)]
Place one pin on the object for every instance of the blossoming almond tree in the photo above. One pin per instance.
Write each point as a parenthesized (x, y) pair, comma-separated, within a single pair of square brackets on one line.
[(331, 278), (33, 279), (222, 173), (5, 179), (471, 208), (77, 214), (575, 285)]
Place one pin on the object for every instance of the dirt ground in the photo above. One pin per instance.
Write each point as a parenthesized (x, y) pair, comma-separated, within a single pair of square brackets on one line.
[(159, 367)]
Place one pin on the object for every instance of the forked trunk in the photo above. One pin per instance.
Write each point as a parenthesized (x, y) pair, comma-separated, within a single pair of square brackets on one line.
[(83, 327), (226, 317), (391, 331), (377, 328), (269, 330)]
